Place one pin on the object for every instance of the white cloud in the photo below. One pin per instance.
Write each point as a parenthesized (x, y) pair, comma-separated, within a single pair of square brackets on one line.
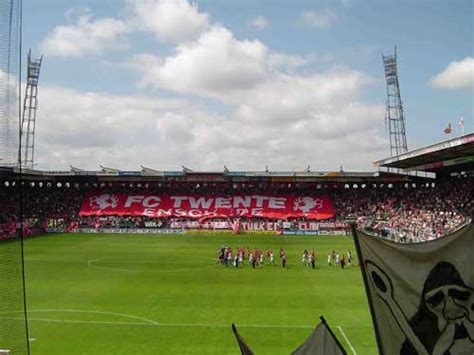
[(274, 114), (212, 65), (73, 13), (457, 75), (318, 19), (287, 61), (286, 122), (169, 20), (259, 22), (86, 36), (87, 129)]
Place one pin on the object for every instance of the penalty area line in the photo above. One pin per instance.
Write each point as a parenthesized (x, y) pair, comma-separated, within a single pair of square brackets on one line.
[(347, 340)]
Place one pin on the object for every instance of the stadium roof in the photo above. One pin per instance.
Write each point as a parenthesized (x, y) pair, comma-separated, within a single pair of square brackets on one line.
[(449, 155), (116, 175)]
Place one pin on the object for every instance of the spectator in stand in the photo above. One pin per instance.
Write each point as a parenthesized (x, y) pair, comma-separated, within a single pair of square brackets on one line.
[(407, 213)]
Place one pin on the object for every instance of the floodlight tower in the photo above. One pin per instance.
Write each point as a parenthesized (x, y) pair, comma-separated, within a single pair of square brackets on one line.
[(30, 105), (394, 118)]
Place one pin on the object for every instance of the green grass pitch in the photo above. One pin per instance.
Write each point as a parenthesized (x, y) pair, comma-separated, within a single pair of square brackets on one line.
[(135, 294)]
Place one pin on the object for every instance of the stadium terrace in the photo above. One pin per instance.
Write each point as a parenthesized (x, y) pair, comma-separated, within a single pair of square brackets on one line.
[(395, 201)]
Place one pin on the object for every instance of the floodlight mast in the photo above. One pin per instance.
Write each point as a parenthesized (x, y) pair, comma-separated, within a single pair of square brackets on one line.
[(394, 117), (30, 105)]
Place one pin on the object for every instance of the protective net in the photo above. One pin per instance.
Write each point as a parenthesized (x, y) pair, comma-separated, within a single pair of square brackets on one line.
[(9, 69), (13, 329)]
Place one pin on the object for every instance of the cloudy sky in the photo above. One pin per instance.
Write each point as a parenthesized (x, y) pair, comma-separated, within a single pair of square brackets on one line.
[(165, 83)]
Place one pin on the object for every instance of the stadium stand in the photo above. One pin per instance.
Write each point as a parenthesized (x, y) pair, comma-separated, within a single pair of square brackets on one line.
[(415, 209), (405, 205)]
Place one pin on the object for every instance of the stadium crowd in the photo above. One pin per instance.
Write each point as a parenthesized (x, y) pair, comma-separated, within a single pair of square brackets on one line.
[(410, 212), (422, 213)]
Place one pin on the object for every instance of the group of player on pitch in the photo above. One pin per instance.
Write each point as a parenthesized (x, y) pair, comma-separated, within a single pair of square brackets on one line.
[(256, 258), (340, 260)]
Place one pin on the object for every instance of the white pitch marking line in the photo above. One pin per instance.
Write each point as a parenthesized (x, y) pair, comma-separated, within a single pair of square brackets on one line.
[(347, 340), (149, 321), (78, 321), (32, 339), (146, 321), (162, 324)]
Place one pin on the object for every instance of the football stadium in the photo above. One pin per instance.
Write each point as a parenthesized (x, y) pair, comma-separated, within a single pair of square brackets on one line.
[(151, 261)]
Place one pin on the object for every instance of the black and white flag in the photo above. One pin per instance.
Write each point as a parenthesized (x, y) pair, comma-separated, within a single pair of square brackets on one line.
[(321, 341), (421, 295), (244, 349)]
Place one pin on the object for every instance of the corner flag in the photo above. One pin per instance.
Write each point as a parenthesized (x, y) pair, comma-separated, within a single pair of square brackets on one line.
[(321, 341), (421, 295), (244, 349)]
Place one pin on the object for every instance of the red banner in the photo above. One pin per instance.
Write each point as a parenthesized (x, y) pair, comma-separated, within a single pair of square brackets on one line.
[(199, 207)]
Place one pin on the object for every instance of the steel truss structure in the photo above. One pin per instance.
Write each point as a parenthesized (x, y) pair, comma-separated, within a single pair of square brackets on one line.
[(30, 106), (394, 118)]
